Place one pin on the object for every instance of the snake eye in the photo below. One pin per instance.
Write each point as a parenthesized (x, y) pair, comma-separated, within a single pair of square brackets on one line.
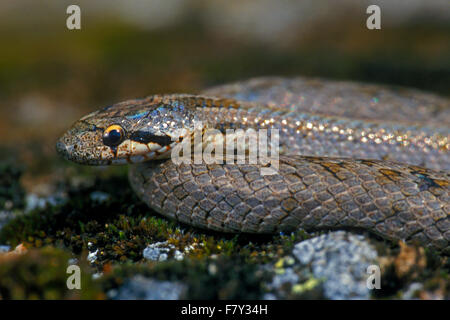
[(113, 135)]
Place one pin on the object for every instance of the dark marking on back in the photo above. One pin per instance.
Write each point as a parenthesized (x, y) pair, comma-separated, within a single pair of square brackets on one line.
[(392, 174), (332, 168), (425, 182), (369, 163)]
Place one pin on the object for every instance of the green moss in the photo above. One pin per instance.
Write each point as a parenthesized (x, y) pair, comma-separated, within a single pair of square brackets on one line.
[(207, 278), (11, 192), (434, 277), (42, 274), (116, 227)]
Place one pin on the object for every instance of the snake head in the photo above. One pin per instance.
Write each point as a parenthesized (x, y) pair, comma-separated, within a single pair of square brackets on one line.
[(130, 132)]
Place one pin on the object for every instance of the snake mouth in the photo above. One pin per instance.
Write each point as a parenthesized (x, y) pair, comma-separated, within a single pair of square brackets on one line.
[(129, 152)]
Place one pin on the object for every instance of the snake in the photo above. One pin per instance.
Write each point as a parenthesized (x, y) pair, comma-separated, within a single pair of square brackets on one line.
[(351, 155)]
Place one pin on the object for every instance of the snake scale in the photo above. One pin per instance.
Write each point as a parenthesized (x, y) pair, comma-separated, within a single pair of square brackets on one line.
[(353, 156)]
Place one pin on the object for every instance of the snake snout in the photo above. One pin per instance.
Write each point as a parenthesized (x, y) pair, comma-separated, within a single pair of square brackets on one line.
[(61, 149)]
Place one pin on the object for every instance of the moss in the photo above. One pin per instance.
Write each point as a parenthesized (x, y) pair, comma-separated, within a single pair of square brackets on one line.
[(41, 274), (434, 276), (12, 194), (224, 277), (117, 228)]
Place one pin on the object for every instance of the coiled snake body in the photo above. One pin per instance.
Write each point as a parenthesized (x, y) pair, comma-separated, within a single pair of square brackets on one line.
[(352, 156)]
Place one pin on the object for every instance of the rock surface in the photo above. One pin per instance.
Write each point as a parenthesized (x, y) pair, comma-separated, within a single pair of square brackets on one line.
[(142, 288)]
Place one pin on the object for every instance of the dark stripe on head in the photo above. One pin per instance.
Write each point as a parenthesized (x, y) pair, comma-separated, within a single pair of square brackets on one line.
[(146, 137)]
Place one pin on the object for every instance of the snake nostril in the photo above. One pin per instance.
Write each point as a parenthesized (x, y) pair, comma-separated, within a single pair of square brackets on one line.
[(61, 148)]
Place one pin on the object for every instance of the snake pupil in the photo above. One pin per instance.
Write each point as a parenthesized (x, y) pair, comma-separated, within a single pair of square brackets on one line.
[(112, 137)]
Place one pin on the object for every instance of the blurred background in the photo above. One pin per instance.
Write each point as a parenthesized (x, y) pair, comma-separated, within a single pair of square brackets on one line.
[(50, 76)]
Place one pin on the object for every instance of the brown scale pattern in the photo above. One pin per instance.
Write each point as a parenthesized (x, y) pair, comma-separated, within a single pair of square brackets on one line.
[(393, 200)]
